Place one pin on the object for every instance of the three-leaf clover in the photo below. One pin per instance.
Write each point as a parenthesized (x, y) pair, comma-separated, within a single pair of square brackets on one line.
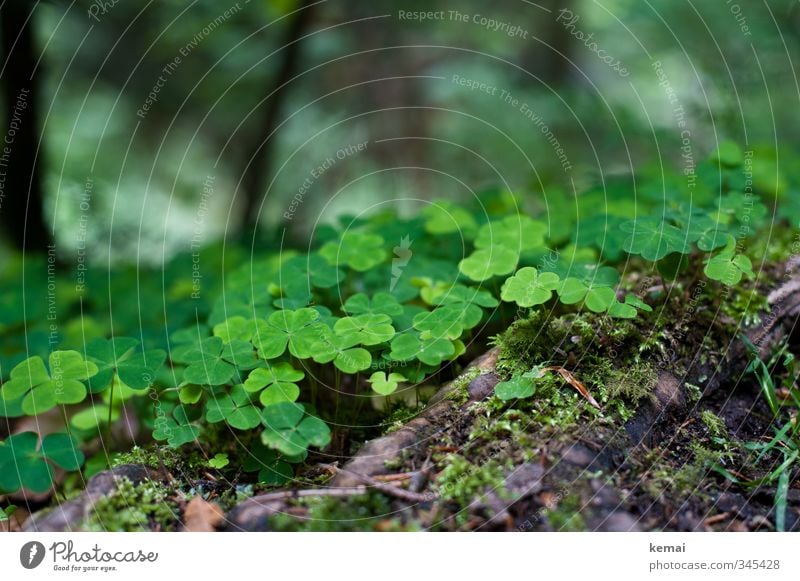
[(41, 390), (359, 251), (208, 363), (385, 384), (176, 428), (235, 408), (364, 330), (528, 287), (382, 303), (280, 381), (273, 468), (445, 217), (117, 356), (338, 349), (485, 263), (727, 266), (26, 464), (598, 298), (296, 329), (290, 431), (430, 351), (654, 238)]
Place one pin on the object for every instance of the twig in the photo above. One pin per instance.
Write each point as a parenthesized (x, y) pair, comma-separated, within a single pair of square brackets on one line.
[(288, 494), (390, 490)]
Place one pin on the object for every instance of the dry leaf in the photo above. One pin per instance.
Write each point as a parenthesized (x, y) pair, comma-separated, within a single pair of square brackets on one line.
[(201, 516)]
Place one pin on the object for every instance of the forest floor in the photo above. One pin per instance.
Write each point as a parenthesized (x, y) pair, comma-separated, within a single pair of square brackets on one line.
[(680, 442)]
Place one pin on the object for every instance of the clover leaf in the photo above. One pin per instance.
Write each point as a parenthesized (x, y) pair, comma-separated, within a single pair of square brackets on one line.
[(628, 309), (117, 357), (728, 267), (235, 408), (290, 431), (26, 464), (175, 428), (515, 388), (384, 384), (235, 328), (337, 348), (207, 364), (528, 288), (598, 298), (219, 461), (654, 238), (295, 329), (516, 233), (382, 303), (273, 468), (280, 381), (446, 322), (485, 263), (431, 351), (364, 329), (41, 390), (357, 250)]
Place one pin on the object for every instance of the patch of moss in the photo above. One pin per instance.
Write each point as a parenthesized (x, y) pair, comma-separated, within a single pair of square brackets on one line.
[(463, 482), (132, 508), (366, 512), (632, 383), (458, 390), (151, 456), (566, 515), (715, 425)]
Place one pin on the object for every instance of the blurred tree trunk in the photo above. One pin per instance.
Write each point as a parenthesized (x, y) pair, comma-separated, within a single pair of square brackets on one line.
[(21, 203), (259, 152), (546, 63)]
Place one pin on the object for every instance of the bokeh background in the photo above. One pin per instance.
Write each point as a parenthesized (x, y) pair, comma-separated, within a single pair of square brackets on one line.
[(124, 136)]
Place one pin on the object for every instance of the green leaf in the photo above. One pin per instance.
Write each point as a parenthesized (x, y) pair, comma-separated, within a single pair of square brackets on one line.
[(357, 250), (528, 288), (219, 461), (485, 263), (176, 428), (515, 388), (405, 347), (364, 329), (289, 432), (653, 238), (118, 357), (235, 408), (729, 267), (384, 384), (237, 327), (297, 329), (382, 303), (515, 233), (728, 153), (40, 391), (26, 464), (206, 364)]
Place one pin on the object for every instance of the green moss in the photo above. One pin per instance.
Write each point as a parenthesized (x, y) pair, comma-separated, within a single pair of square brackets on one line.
[(366, 512), (631, 384), (566, 516), (459, 392), (151, 456), (716, 426), (131, 508), (463, 482)]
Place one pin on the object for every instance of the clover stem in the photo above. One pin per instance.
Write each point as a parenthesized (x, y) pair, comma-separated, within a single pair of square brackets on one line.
[(107, 442), (417, 381)]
